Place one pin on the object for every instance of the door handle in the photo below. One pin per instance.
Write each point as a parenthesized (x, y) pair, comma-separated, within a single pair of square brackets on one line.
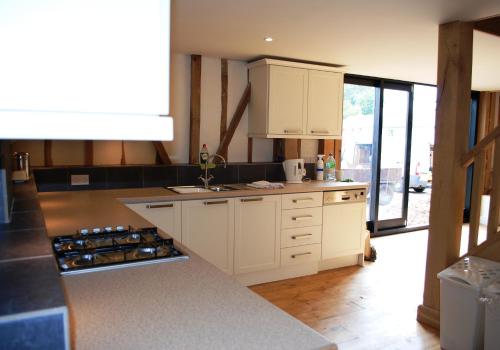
[(259, 199), (300, 218), (156, 206), (320, 132), (305, 235), (288, 131), (215, 202), (300, 254), (308, 199)]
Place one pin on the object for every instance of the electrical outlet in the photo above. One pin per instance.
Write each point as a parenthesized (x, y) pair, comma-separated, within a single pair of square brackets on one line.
[(80, 180)]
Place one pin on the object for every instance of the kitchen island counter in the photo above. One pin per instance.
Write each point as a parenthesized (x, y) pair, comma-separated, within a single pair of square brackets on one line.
[(172, 305)]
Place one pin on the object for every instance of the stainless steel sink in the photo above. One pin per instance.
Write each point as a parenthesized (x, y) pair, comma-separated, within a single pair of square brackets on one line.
[(200, 189)]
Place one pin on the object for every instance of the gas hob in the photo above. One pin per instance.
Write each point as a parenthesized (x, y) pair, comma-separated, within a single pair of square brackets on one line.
[(111, 248)]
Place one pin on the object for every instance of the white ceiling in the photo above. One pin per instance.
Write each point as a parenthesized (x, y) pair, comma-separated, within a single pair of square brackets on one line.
[(383, 38)]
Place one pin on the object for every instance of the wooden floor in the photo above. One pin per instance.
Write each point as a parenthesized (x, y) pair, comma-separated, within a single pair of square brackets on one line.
[(371, 307)]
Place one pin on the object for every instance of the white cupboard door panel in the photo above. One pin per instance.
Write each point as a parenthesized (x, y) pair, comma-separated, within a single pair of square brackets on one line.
[(165, 215), (294, 237), (287, 100), (257, 233), (302, 254), (302, 200), (208, 230), (324, 108), (91, 56), (343, 230), (301, 217)]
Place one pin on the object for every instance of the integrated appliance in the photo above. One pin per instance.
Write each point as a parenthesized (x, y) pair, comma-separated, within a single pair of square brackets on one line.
[(294, 170), (110, 248), (343, 223)]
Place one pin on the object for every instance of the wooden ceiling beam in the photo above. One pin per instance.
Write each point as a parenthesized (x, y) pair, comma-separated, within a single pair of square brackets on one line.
[(490, 25)]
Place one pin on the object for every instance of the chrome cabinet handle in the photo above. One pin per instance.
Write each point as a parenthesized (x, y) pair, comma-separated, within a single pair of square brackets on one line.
[(258, 199), (305, 235), (299, 218), (320, 132), (300, 254), (288, 131), (156, 206), (308, 199), (215, 202)]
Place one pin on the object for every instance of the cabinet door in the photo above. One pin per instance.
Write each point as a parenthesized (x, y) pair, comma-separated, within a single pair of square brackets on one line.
[(325, 97), (343, 230), (208, 229), (165, 215), (287, 100), (257, 233)]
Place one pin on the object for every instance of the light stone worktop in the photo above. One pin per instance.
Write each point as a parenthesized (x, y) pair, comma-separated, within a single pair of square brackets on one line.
[(178, 305)]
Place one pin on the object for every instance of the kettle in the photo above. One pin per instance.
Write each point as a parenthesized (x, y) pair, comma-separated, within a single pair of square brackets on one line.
[(294, 170)]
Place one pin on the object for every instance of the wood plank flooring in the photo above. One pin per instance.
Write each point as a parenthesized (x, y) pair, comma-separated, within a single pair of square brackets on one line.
[(371, 307)]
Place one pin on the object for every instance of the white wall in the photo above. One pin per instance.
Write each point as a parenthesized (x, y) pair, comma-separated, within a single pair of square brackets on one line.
[(109, 152)]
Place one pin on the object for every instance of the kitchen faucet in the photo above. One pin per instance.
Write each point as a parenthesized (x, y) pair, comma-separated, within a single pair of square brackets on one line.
[(208, 177)]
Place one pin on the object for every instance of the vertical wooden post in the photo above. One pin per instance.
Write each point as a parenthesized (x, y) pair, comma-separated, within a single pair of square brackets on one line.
[(47, 152), (448, 187), (493, 215), (123, 160), (223, 100), (250, 150), (194, 114), (89, 153), (291, 149), (477, 191), (337, 153), (326, 147)]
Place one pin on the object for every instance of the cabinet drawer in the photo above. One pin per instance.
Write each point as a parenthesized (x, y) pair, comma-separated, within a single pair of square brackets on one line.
[(302, 254), (302, 200), (301, 217), (294, 237)]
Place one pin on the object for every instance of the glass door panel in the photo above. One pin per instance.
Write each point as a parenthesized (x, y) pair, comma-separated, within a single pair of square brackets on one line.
[(392, 195)]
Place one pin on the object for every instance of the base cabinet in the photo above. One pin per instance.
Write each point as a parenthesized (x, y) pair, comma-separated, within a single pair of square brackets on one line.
[(208, 229), (257, 233), (165, 215)]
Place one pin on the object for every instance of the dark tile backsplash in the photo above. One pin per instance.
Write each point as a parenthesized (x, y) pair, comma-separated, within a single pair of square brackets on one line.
[(59, 179)]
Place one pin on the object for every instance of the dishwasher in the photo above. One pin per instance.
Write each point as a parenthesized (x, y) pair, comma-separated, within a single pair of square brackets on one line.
[(344, 222)]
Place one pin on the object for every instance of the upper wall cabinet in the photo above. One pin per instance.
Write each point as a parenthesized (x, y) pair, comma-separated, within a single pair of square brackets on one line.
[(294, 100), (85, 69)]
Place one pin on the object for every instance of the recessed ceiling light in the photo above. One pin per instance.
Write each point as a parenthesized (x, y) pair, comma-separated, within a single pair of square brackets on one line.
[(268, 39)]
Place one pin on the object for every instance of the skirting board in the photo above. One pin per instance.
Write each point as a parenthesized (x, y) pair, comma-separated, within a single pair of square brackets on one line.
[(343, 261), (282, 273)]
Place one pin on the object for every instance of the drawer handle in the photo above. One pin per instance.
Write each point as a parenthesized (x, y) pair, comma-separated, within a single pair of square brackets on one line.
[(215, 202), (156, 206), (346, 198), (258, 199), (320, 132), (300, 218), (287, 131), (300, 254), (308, 199), (305, 235)]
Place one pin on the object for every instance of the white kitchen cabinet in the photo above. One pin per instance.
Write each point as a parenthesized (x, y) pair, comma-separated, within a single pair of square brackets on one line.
[(85, 69), (343, 230), (208, 230), (257, 233), (325, 99), (295, 100), (165, 215)]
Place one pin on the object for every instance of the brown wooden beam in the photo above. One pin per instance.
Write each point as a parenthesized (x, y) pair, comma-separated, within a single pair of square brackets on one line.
[(223, 101), (238, 114), (47, 153), (194, 113), (449, 176), (162, 152), (88, 153), (337, 153), (250, 150), (489, 25), (475, 205), (493, 215), (291, 148), (123, 160), (326, 147), (468, 158)]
